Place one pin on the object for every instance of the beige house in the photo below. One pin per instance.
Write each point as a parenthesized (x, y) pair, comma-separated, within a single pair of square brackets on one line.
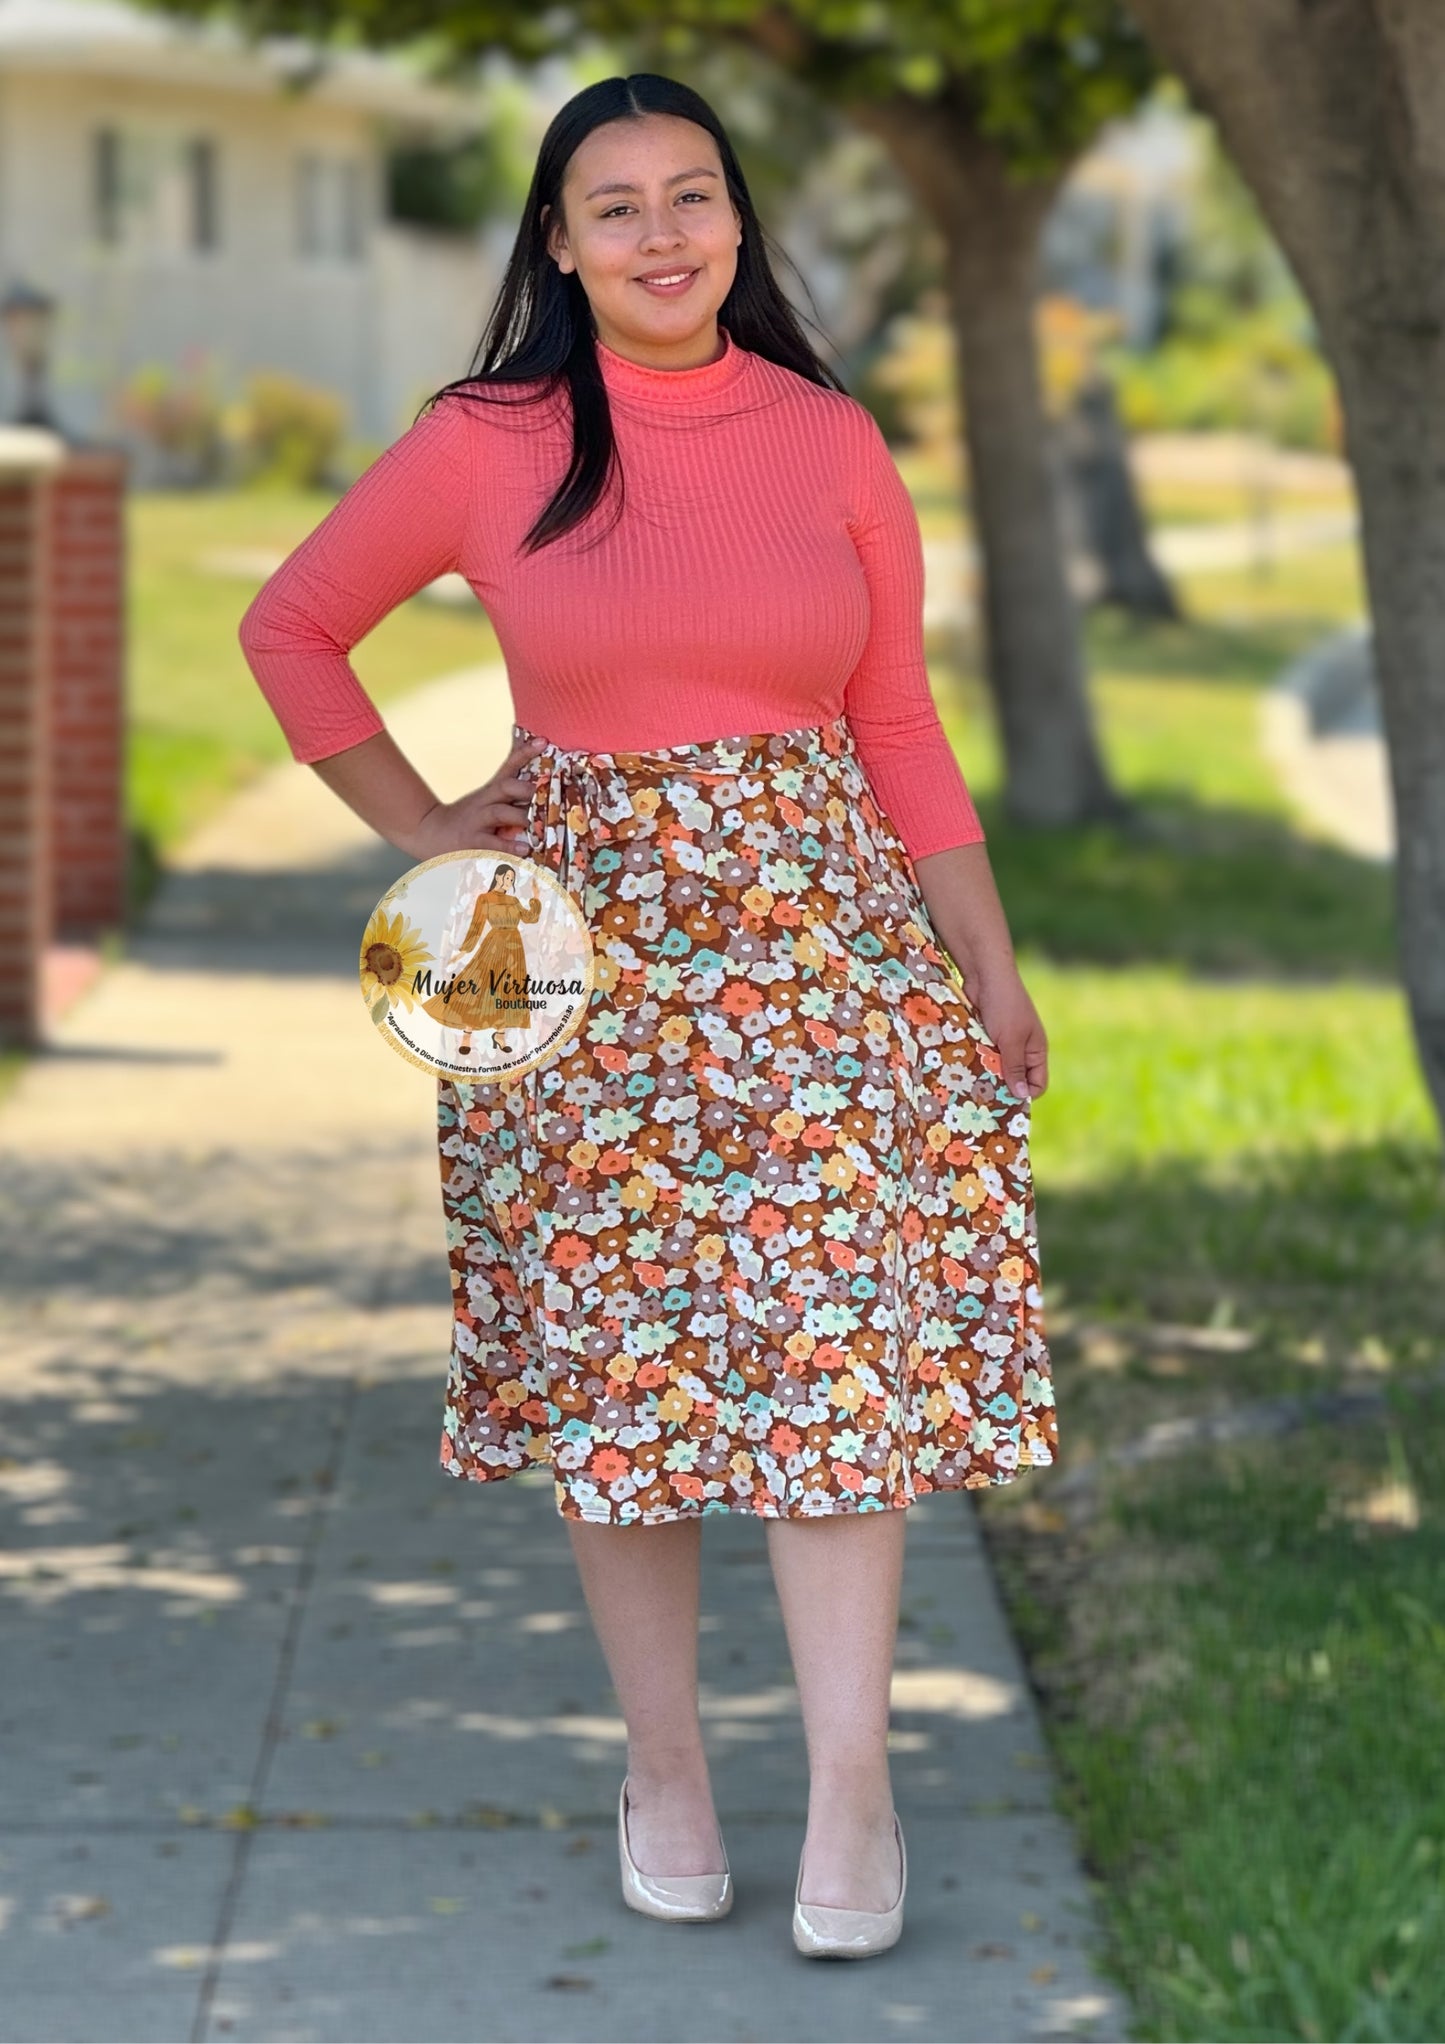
[(180, 194)]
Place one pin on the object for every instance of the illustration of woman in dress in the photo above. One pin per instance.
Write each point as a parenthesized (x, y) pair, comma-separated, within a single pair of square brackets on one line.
[(480, 997)]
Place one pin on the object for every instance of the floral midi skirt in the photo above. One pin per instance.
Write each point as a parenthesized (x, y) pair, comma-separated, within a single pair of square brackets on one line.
[(760, 1235)]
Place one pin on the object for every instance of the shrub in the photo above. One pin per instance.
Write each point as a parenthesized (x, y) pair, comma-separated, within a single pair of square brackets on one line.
[(1250, 374), (287, 432), (177, 411)]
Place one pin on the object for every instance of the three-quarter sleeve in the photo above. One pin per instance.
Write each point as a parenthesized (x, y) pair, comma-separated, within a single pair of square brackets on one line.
[(888, 700), (400, 525)]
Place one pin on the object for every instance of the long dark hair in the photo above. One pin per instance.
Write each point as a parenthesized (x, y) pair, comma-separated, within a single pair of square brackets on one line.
[(541, 329)]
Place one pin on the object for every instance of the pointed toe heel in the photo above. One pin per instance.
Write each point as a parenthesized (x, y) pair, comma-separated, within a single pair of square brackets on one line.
[(676, 1898), (820, 1933)]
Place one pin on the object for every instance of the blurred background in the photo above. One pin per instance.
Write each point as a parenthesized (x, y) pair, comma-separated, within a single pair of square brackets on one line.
[(238, 267)]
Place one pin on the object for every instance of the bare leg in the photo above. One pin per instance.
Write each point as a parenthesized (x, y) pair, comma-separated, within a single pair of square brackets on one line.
[(838, 1585), (641, 1586)]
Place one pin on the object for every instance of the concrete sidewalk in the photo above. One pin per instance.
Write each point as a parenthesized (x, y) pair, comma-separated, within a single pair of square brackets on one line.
[(1321, 728), (306, 1739)]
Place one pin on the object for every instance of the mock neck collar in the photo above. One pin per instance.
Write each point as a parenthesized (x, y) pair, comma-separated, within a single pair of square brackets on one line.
[(674, 387)]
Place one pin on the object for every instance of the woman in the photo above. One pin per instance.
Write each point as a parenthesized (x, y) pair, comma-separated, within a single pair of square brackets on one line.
[(760, 1237)]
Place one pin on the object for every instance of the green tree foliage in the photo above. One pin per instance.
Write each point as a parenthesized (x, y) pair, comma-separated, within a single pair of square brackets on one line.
[(1039, 76)]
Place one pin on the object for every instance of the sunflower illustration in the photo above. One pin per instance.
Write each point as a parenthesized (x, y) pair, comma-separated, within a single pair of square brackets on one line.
[(391, 951)]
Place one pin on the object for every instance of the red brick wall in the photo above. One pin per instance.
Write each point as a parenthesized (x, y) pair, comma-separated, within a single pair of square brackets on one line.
[(87, 818), (26, 872), (62, 634)]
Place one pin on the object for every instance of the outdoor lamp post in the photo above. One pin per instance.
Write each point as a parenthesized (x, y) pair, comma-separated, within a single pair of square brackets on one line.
[(27, 315)]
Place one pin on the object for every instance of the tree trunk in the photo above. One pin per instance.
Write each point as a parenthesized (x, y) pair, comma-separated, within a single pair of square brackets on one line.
[(1399, 463), (1113, 533), (1335, 116), (990, 225)]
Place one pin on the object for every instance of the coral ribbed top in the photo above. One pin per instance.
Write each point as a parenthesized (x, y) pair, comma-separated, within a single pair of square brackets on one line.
[(765, 574)]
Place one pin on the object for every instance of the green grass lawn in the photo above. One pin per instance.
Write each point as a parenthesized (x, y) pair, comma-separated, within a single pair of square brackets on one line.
[(199, 725), (1240, 1651)]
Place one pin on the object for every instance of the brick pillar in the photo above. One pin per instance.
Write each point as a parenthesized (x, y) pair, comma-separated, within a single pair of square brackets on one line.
[(28, 461), (62, 829), (87, 693)]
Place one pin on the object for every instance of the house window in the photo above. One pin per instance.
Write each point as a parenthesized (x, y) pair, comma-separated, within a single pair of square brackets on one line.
[(330, 206), (201, 171), (155, 192), (108, 208)]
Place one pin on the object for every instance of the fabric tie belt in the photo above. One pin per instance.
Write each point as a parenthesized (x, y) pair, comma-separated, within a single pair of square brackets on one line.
[(572, 786)]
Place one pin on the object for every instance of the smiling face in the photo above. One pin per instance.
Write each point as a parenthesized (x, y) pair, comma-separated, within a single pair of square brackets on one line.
[(646, 199)]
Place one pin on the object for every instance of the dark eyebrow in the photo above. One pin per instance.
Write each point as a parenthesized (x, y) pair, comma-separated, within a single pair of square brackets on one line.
[(701, 171)]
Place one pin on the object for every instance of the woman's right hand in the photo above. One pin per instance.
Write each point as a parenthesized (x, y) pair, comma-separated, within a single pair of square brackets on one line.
[(489, 818)]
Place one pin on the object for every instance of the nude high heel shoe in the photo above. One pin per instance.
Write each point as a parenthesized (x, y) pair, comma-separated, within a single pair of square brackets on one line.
[(821, 1933), (679, 1898)]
